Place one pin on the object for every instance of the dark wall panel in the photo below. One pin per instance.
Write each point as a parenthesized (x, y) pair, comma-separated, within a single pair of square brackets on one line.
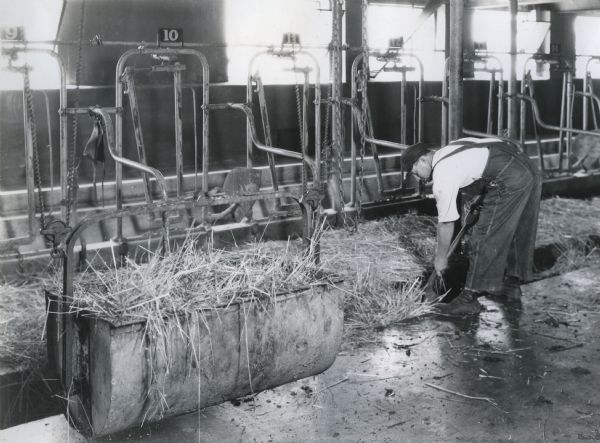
[(138, 21)]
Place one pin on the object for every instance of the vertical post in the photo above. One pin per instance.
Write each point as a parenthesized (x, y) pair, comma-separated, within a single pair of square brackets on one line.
[(403, 108), (490, 117), (526, 87), (178, 131), (513, 120), (500, 104), (455, 68), (119, 149), (137, 129), (336, 111), (569, 111), (586, 79)]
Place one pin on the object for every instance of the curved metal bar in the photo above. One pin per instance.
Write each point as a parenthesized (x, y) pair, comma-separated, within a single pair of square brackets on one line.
[(534, 108), (388, 144), (486, 135), (125, 161), (119, 117), (254, 137), (317, 103)]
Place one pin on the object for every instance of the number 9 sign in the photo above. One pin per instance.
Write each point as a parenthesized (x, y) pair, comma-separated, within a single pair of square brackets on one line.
[(14, 33)]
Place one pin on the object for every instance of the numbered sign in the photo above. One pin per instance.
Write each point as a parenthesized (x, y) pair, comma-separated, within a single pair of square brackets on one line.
[(555, 48), (170, 37), (14, 33)]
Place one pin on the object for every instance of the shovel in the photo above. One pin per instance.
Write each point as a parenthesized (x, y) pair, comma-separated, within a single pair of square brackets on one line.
[(435, 286)]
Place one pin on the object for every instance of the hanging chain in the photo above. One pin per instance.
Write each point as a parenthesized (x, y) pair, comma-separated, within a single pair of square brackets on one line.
[(32, 128), (326, 144), (302, 140), (73, 163), (364, 78), (337, 145)]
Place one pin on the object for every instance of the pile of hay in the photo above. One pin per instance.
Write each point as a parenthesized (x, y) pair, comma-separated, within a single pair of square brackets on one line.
[(190, 279), (382, 265), (22, 324)]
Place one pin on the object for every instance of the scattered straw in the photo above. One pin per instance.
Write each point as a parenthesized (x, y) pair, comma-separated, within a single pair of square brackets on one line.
[(22, 323), (564, 218)]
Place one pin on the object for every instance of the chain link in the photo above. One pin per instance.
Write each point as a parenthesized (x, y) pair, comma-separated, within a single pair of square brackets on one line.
[(73, 163), (302, 138), (337, 144), (364, 78), (325, 144), (32, 128)]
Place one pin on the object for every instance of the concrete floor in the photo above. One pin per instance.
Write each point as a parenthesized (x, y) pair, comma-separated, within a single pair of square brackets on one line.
[(532, 373)]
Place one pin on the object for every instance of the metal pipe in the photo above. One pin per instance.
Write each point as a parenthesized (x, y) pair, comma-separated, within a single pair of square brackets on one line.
[(455, 81), (137, 129), (587, 81), (486, 135), (264, 113), (512, 116), (445, 104), (594, 97), (119, 116), (490, 124), (304, 128), (544, 125), (160, 180), (397, 56), (403, 108), (563, 100), (500, 105), (522, 123), (569, 110), (357, 111), (195, 117), (63, 142), (594, 113), (29, 147), (178, 131), (50, 147), (279, 151), (317, 72)]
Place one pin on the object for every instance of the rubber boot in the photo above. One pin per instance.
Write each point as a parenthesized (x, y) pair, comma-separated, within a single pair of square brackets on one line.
[(464, 304), (512, 288)]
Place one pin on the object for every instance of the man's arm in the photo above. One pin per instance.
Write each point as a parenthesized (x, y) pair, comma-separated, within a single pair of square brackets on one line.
[(445, 230)]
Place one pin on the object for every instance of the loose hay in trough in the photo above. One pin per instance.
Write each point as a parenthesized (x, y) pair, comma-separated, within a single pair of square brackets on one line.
[(188, 280)]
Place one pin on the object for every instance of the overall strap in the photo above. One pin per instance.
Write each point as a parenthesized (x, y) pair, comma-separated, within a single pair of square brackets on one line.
[(470, 145)]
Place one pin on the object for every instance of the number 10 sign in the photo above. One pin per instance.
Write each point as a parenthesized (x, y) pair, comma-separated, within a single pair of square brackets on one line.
[(170, 37)]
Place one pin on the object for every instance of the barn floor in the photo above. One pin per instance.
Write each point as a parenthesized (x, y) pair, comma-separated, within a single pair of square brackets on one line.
[(535, 369)]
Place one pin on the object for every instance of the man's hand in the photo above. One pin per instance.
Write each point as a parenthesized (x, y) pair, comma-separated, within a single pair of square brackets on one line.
[(440, 264), (444, 238)]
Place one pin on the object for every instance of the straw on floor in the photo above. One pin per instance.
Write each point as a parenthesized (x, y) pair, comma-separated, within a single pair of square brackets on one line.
[(22, 324)]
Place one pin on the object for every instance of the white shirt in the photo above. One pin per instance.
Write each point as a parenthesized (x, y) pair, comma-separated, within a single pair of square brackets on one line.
[(455, 172)]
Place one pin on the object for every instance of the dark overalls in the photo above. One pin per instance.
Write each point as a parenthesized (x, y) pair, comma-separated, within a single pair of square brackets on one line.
[(502, 241)]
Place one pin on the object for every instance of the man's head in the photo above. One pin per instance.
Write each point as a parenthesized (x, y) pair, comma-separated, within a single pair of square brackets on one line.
[(417, 159)]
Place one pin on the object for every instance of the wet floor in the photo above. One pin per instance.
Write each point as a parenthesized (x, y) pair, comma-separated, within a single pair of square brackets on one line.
[(527, 373)]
